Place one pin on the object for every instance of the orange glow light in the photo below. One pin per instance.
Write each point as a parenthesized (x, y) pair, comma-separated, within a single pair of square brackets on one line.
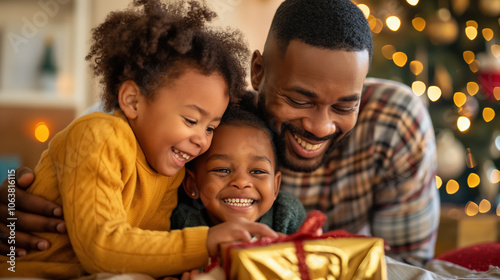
[(41, 132)]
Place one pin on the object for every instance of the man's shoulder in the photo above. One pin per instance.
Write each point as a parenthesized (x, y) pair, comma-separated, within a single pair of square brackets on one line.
[(386, 95)]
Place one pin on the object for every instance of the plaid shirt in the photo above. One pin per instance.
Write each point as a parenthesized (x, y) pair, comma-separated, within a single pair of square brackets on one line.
[(381, 180)]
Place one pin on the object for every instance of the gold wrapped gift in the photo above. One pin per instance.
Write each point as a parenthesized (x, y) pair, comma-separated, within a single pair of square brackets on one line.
[(333, 255)]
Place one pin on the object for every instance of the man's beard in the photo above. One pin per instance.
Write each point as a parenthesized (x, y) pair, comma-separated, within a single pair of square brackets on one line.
[(296, 162)]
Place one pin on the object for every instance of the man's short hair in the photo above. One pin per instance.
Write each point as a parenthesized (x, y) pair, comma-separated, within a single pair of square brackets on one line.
[(330, 24)]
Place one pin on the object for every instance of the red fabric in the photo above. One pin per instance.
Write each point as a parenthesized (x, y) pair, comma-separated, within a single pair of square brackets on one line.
[(476, 257)]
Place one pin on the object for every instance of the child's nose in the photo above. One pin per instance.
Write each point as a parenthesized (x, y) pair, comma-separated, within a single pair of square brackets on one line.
[(200, 139), (241, 181)]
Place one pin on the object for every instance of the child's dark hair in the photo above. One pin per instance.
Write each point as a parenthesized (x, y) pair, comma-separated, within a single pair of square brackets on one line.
[(157, 43), (330, 24), (241, 115)]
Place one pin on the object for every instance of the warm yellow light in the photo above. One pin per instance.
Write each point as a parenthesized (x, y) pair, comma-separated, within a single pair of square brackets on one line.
[(418, 23), (473, 180), (439, 182), (399, 58), (375, 24), (412, 2), (471, 209), (496, 93), (472, 88), (488, 114), (495, 50), (434, 93), (452, 187), (469, 57), (416, 67), (474, 66), (459, 98), (463, 123), (393, 22), (418, 88), (365, 9), (471, 32), (484, 206), (495, 176), (388, 51), (41, 132), (472, 23), (487, 34), (498, 207)]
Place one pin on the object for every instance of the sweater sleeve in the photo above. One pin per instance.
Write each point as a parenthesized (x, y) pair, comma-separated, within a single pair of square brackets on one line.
[(99, 156)]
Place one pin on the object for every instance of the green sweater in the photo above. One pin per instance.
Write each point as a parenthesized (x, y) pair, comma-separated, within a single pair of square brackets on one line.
[(286, 215)]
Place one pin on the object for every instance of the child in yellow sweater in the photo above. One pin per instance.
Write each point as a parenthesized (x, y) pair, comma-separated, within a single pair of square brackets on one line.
[(169, 80)]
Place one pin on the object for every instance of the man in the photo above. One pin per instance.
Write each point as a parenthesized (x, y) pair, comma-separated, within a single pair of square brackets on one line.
[(360, 151)]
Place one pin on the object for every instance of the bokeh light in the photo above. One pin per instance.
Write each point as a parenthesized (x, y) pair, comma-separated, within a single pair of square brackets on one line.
[(488, 114), (388, 51), (471, 32), (365, 9), (418, 23), (452, 187), (41, 132), (412, 2), (418, 88), (393, 23), (434, 93), (463, 123), (399, 58), (487, 34), (459, 98), (473, 180), (495, 176), (484, 206), (439, 182), (471, 209), (472, 88), (416, 67), (469, 57)]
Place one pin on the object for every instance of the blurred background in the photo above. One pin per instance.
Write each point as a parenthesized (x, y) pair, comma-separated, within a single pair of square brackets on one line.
[(447, 51)]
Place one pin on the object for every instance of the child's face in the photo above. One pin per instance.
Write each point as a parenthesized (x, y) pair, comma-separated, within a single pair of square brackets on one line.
[(236, 176), (177, 125)]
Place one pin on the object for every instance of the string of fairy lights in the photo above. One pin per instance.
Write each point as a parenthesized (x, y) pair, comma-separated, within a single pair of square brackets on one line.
[(433, 92)]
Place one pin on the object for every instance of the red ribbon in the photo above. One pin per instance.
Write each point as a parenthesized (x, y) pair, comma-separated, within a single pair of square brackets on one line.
[(309, 230)]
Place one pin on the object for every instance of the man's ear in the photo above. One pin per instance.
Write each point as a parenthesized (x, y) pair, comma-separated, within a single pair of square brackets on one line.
[(189, 185), (129, 95), (277, 183), (256, 69)]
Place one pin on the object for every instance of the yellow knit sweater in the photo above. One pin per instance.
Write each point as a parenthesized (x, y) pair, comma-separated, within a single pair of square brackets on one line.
[(117, 209)]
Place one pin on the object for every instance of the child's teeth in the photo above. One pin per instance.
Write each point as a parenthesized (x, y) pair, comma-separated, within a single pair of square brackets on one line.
[(180, 155), (307, 146), (241, 202)]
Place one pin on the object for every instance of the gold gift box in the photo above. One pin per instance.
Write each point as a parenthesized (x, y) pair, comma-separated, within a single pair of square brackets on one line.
[(316, 258)]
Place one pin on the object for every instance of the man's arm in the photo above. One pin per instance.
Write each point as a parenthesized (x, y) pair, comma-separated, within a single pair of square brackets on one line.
[(407, 202), (33, 213)]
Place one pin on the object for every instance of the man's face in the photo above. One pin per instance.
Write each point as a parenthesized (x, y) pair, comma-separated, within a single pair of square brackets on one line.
[(310, 97)]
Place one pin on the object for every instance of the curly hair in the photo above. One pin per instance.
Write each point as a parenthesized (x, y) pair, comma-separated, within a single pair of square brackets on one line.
[(330, 24), (155, 44)]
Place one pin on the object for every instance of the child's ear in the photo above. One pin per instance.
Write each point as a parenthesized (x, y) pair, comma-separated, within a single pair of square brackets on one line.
[(129, 95), (256, 70), (190, 185), (277, 183)]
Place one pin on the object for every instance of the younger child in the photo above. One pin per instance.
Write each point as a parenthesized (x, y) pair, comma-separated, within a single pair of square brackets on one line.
[(168, 78), (237, 177)]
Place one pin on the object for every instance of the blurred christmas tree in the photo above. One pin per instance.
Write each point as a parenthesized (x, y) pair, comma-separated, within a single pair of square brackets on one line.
[(448, 51)]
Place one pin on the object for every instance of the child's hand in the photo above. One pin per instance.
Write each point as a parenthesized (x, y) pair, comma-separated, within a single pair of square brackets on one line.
[(239, 229)]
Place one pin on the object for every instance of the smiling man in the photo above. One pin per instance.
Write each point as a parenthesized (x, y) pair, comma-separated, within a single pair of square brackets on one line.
[(359, 150)]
